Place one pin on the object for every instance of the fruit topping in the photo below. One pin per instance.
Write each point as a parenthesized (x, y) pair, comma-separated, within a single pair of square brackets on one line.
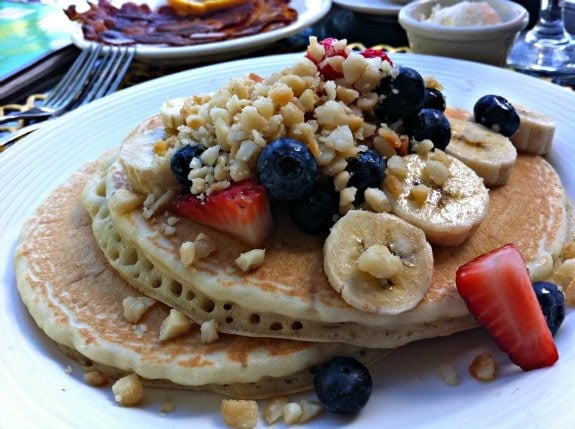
[(180, 162), (343, 385), (497, 290), (430, 124), (366, 170), (552, 302), (495, 112), (378, 262), (434, 99), (401, 95), (286, 168), (316, 211), (332, 48), (241, 211), (376, 53)]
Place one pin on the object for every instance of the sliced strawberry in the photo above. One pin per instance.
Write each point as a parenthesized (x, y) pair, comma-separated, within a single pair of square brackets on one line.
[(497, 290), (376, 53), (241, 211), (331, 51)]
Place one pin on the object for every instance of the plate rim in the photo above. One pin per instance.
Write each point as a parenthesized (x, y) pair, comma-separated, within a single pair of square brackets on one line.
[(382, 7)]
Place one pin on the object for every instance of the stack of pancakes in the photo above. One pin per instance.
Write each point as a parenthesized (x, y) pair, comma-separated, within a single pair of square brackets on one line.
[(78, 259), (75, 266)]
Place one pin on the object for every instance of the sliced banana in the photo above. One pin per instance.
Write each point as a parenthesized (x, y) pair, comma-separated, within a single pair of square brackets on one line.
[(146, 171), (535, 133), (490, 154), (377, 262), (439, 194)]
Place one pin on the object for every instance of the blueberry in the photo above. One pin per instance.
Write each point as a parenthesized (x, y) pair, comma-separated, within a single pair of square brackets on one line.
[(286, 168), (430, 124), (180, 162), (552, 302), (497, 113), (343, 385), (366, 170), (434, 99), (315, 211), (400, 96)]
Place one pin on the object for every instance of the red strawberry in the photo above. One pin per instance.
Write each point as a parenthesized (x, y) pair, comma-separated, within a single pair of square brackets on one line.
[(375, 53), (324, 67), (241, 211), (497, 290)]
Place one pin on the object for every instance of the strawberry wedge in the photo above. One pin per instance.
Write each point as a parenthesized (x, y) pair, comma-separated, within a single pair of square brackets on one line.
[(497, 290), (242, 211)]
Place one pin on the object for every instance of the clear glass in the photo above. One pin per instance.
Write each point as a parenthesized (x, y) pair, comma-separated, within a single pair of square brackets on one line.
[(546, 49)]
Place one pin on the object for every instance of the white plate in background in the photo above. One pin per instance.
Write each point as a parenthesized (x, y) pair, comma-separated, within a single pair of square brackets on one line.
[(309, 12), (375, 8)]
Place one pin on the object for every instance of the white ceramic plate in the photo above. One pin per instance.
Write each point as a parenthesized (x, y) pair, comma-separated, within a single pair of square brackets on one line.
[(309, 12), (374, 8), (36, 391)]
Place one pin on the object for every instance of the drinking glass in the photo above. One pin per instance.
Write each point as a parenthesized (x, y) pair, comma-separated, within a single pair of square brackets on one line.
[(546, 49)]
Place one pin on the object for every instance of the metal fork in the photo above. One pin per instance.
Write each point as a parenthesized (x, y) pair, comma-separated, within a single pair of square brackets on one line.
[(97, 72)]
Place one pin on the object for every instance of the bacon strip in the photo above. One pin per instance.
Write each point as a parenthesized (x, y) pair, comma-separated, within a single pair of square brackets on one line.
[(138, 24)]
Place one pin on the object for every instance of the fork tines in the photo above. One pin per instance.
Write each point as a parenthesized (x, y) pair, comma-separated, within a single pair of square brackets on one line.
[(107, 72)]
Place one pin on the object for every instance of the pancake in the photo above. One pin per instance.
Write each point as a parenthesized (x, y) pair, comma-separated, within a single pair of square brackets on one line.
[(279, 301), (76, 299)]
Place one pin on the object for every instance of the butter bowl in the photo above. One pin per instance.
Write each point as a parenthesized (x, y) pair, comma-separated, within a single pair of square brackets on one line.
[(477, 30)]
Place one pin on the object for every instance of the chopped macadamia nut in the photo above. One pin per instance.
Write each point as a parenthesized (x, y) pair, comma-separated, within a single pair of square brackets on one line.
[(377, 200), (159, 204), (128, 390), (209, 331), (393, 185), (239, 413), (483, 367), (124, 201), (251, 260), (204, 245), (174, 325), (341, 180), (192, 251), (436, 171), (396, 167), (274, 410), (310, 410), (188, 253), (419, 193), (422, 147), (135, 307), (292, 413), (347, 196), (95, 378), (378, 261), (449, 375)]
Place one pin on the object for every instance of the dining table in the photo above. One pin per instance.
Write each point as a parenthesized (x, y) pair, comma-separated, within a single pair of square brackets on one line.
[(408, 389)]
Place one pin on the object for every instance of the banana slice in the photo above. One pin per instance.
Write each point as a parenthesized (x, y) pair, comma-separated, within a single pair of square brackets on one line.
[(146, 171), (535, 133), (377, 262), (438, 193), (490, 154)]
